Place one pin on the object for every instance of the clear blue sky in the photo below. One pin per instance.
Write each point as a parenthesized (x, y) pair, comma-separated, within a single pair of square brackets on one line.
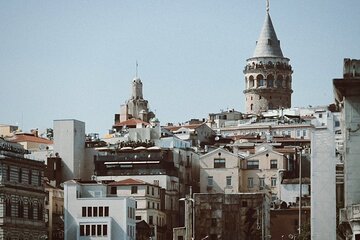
[(76, 59)]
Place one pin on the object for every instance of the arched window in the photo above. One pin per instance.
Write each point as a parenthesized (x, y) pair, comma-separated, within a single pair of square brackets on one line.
[(251, 106), (260, 80), (20, 208), (251, 82), (270, 80), (288, 82), (40, 211), (279, 81), (30, 210)]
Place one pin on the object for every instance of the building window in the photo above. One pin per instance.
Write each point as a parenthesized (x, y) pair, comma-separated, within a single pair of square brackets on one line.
[(30, 177), (30, 211), (250, 183), (138, 217), (320, 115), (210, 181), (152, 191), (147, 190), (101, 211), (89, 213), (273, 164), (95, 213), (83, 212), (8, 207), (99, 232), (337, 124), (106, 212), (93, 230), (82, 230), (298, 133), (273, 182), (8, 173), (40, 211), (261, 182), (113, 190), (105, 230), (244, 204), (304, 133), (20, 175), (228, 181), (219, 163), (20, 209), (252, 164), (151, 221), (134, 189)]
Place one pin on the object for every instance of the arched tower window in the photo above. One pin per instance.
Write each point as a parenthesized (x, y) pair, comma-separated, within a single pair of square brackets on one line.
[(279, 81), (251, 106), (288, 82), (260, 80), (270, 80), (251, 81)]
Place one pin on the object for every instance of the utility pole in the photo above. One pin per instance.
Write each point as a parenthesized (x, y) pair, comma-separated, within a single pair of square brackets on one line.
[(300, 190), (189, 216)]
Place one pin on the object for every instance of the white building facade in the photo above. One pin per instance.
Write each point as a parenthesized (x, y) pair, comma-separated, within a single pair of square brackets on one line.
[(90, 214)]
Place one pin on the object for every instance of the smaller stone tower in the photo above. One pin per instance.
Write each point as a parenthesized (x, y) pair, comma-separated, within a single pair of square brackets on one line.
[(267, 74)]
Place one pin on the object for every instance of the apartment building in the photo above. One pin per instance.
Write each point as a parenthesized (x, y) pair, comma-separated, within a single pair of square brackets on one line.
[(150, 203), (22, 194), (89, 212)]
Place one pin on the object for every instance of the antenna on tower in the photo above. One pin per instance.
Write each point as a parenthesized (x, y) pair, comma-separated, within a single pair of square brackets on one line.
[(267, 6), (136, 69)]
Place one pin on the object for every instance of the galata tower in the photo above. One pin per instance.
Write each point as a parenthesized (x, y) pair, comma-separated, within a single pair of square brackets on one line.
[(267, 73)]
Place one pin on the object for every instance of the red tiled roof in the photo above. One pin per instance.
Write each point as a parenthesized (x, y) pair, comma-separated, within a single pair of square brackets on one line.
[(30, 138), (129, 181), (130, 122)]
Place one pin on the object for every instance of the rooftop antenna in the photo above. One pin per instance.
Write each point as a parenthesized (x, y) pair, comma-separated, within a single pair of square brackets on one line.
[(267, 6), (136, 69)]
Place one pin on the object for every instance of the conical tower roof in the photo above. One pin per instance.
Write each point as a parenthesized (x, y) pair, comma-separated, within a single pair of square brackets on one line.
[(268, 44)]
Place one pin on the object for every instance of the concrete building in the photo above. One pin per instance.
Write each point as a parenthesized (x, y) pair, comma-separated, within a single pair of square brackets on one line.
[(150, 203), (347, 97), (22, 195), (69, 144), (268, 80), (232, 216), (198, 134), (8, 130), (323, 180), (90, 213), (220, 172), (262, 171), (172, 169)]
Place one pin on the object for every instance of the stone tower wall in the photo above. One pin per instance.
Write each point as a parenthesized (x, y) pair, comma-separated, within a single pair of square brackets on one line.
[(268, 84)]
